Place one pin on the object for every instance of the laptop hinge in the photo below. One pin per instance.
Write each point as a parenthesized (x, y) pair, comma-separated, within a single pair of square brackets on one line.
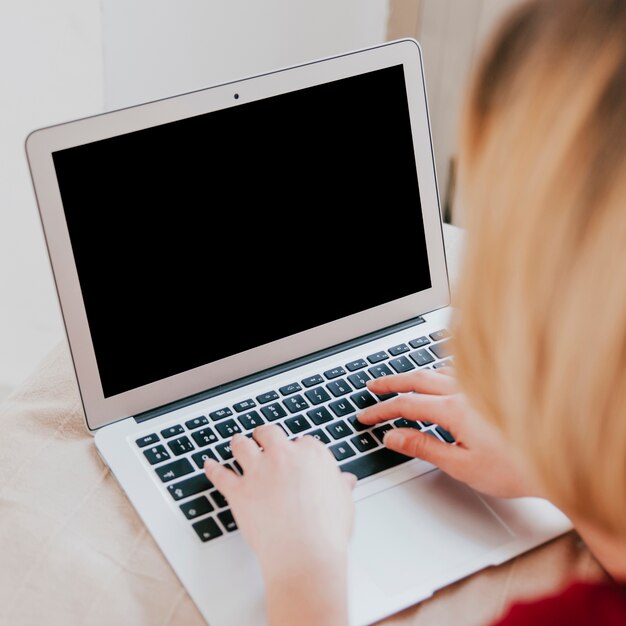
[(278, 369)]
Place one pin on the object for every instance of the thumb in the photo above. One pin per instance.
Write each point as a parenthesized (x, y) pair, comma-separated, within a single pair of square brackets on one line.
[(350, 479)]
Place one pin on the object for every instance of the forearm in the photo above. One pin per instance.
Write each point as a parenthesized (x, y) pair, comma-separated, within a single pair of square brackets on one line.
[(309, 595)]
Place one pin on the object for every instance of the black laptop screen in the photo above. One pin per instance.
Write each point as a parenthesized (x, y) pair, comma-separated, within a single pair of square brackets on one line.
[(201, 238)]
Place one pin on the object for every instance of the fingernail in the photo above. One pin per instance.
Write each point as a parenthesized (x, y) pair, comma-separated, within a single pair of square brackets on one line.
[(360, 416), (393, 439)]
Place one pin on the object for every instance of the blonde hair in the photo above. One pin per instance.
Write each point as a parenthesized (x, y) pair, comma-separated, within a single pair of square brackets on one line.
[(541, 332)]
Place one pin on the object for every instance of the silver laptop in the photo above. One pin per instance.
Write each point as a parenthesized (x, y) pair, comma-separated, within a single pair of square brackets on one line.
[(254, 252)]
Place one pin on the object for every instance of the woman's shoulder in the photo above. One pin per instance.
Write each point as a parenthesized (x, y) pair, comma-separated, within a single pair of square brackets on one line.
[(580, 603)]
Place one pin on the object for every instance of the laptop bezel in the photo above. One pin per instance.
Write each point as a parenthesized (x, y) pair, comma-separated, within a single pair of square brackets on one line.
[(41, 144)]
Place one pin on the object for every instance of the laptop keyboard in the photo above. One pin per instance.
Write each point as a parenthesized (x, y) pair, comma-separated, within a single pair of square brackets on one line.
[(323, 406)]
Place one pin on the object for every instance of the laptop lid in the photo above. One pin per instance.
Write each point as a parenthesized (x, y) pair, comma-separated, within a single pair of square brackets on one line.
[(202, 238)]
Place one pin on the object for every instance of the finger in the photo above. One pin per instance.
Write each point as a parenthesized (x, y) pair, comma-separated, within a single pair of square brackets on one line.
[(438, 409), (422, 446), (422, 381), (448, 370), (269, 435), (244, 450), (223, 478)]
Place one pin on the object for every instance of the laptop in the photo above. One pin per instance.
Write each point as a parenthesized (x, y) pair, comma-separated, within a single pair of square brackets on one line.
[(253, 253)]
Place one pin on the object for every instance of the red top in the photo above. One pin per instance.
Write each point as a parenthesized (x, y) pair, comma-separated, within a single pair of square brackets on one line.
[(580, 604)]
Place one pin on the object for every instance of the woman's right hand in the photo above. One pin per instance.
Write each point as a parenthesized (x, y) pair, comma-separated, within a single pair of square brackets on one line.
[(481, 456)]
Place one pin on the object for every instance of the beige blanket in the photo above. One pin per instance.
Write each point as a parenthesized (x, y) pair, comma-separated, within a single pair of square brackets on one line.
[(73, 551)]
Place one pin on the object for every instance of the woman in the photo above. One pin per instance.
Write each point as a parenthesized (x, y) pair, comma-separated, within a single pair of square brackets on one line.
[(537, 403)]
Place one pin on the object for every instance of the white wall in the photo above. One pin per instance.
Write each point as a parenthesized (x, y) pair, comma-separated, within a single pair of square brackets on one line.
[(51, 64), (156, 48), (51, 69)]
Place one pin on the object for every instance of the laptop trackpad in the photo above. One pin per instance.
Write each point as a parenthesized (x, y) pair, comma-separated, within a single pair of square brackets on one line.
[(420, 530)]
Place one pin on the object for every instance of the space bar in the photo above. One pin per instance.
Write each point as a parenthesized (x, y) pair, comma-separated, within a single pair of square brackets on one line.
[(373, 463)]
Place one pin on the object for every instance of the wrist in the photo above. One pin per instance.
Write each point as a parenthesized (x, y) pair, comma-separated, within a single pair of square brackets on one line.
[(307, 591), (322, 564)]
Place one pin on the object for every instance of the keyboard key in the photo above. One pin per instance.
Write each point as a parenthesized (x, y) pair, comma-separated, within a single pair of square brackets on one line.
[(401, 364), (228, 521), (220, 414), (380, 431), (419, 342), (223, 449), (405, 423), (320, 415), (358, 426), (204, 437), (282, 427), (207, 529), (296, 403), (445, 434), (422, 356), (196, 508), (173, 470), (399, 349), (189, 487), (200, 457), (380, 370), (363, 399), (180, 446), (441, 350), (320, 435), (334, 373), (341, 407), (196, 422), (238, 468), (444, 363), (374, 462), (228, 428), (356, 365), (244, 405), (359, 379), (377, 356), (339, 387), (287, 390), (364, 442), (317, 395), (146, 440), (155, 455), (297, 424), (339, 429), (250, 420), (264, 398), (311, 381), (219, 499), (438, 335), (172, 431), (385, 396), (273, 411), (342, 450)]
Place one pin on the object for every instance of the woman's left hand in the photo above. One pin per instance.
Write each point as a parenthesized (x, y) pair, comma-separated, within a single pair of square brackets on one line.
[(294, 507), (292, 504)]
